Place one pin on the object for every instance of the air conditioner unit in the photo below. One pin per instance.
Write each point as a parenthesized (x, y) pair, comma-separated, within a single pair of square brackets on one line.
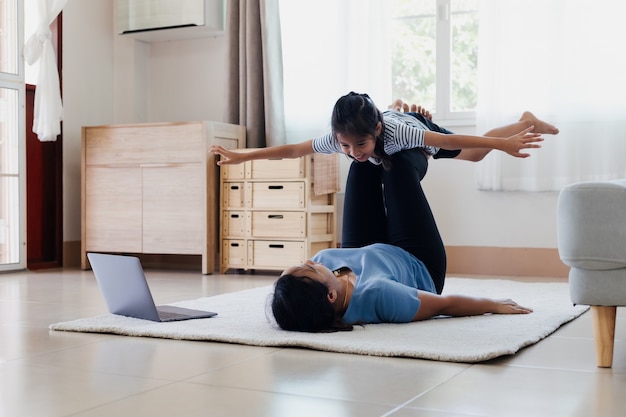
[(162, 20)]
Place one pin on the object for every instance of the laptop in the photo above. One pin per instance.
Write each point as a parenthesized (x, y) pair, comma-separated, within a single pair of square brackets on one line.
[(126, 292)]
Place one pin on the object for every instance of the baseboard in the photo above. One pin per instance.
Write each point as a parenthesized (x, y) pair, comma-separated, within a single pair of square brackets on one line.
[(71, 254), (71, 259), (462, 260), (496, 261)]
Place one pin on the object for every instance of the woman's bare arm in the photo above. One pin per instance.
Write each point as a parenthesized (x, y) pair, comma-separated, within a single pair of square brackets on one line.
[(229, 157), (460, 305)]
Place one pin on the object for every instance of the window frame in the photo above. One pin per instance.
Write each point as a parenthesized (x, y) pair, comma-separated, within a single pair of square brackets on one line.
[(15, 81), (443, 63)]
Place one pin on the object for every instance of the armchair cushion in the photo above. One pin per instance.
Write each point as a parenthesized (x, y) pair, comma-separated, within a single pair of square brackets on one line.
[(592, 225)]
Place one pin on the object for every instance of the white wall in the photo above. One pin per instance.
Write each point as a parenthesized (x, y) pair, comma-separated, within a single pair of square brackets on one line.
[(468, 217), (87, 92), (188, 80), (112, 79)]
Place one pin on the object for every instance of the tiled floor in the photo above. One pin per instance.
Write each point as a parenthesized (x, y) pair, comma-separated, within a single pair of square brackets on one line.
[(44, 373)]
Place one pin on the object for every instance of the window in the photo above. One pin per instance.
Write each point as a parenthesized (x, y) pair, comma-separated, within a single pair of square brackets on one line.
[(330, 48), (12, 200), (434, 51), (386, 48)]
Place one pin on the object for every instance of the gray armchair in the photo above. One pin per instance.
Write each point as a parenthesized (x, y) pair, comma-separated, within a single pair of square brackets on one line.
[(591, 236)]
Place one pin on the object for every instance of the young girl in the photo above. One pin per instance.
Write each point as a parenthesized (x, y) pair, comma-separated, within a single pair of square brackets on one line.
[(395, 270), (364, 133)]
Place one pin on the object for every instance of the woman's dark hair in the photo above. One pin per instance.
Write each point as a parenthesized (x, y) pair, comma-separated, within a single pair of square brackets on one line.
[(301, 304), (356, 115)]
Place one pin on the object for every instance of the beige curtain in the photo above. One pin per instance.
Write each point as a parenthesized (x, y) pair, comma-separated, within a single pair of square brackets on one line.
[(255, 86)]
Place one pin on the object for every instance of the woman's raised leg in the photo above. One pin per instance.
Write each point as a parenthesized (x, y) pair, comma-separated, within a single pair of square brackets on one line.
[(411, 224), (364, 219)]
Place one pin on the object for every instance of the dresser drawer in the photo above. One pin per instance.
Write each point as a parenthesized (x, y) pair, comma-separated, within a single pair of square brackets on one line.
[(234, 223), (233, 172), (276, 168), (234, 253), (233, 194), (171, 143), (283, 224), (275, 254), (283, 195)]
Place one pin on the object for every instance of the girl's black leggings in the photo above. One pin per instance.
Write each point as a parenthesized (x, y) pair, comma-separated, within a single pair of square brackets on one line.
[(391, 207)]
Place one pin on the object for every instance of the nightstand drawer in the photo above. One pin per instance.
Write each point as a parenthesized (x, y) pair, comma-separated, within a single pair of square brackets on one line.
[(283, 224), (234, 253), (283, 195), (275, 168), (275, 254), (233, 172), (234, 223), (233, 194)]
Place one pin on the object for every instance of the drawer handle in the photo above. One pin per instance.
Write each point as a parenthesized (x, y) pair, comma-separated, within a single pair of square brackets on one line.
[(234, 187), (234, 245), (275, 216), (276, 246), (156, 165), (234, 216), (275, 187)]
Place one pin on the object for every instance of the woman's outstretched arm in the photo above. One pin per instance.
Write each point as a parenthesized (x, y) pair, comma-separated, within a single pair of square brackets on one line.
[(460, 305)]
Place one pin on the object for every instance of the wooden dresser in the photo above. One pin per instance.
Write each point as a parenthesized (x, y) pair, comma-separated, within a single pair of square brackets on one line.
[(152, 188), (277, 213)]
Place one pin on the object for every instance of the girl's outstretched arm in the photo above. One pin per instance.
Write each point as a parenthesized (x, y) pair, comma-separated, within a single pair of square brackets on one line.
[(229, 157), (460, 305), (512, 145)]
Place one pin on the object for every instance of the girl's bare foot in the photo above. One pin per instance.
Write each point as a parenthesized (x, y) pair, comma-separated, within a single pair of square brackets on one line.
[(422, 111), (399, 105), (540, 125)]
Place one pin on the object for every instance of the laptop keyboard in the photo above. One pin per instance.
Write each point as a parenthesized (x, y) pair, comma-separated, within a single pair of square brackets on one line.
[(167, 315)]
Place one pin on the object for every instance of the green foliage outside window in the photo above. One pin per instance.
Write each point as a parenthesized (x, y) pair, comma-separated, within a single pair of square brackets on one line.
[(414, 53)]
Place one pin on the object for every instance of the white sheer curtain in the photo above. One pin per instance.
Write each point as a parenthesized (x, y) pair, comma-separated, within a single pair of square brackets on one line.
[(331, 47), (563, 60), (48, 111)]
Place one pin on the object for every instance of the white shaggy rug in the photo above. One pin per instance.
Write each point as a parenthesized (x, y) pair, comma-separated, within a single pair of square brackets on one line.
[(242, 319)]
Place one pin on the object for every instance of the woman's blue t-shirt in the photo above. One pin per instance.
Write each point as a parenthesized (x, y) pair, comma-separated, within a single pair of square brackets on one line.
[(387, 281)]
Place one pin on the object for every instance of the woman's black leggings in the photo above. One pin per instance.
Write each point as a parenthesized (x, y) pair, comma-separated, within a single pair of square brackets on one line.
[(390, 207)]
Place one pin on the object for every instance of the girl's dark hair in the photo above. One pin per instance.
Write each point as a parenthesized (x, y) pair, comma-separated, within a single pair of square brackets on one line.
[(301, 304), (356, 115)]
